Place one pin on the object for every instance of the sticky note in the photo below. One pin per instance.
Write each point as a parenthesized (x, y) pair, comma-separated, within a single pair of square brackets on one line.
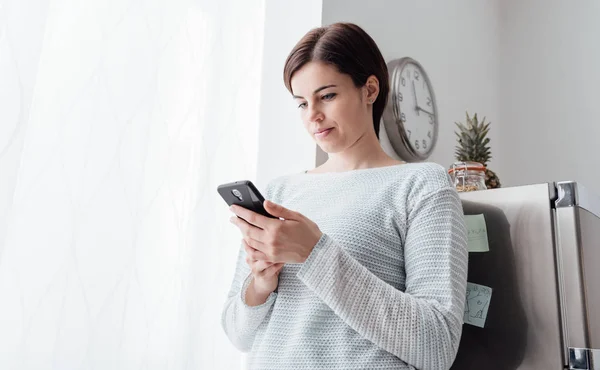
[(477, 304), (477, 232)]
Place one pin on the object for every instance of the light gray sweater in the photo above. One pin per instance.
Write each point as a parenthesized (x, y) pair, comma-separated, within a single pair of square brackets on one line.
[(384, 288)]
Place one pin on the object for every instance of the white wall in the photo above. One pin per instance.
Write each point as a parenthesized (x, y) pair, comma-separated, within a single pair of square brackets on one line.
[(455, 41), (284, 145), (530, 66), (549, 111)]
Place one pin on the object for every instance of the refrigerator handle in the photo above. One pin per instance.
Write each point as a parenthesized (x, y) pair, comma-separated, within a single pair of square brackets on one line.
[(584, 359)]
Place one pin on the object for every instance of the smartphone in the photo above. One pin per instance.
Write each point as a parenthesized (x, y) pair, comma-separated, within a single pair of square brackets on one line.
[(245, 194)]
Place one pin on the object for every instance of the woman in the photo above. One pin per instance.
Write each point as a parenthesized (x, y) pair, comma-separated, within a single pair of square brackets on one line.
[(365, 268)]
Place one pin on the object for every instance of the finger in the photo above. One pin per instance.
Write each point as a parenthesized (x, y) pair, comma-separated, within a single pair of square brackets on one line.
[(254, 253), (260, 248), (279, 266), (251, 217), (240, 223), (278, 210), (250, 261), (249, 230), (271, 270), (254, 244), (258, 267)]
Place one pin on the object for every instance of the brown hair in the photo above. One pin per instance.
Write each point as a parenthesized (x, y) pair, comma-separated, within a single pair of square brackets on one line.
[(351, 50)]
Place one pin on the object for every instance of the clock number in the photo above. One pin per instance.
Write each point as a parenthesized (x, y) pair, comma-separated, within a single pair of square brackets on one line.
[(424, 144), (408, 134), (400, 97), (431, 119), (429, 134), (417, 75), (403, 81), (402, 117), (417, 145), (429, 101)]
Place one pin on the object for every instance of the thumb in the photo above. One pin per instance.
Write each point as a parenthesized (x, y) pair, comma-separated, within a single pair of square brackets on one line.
[(279, 267), (280, 211)]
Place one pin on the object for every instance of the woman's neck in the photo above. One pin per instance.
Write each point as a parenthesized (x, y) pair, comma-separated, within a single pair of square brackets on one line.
[(364, 153)]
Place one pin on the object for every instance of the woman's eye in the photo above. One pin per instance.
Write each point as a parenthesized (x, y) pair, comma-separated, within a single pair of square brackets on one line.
[(328, 96), (302, 105)]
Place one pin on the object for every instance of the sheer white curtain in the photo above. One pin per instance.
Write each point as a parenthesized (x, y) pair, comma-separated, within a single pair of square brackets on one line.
[(118, 119)]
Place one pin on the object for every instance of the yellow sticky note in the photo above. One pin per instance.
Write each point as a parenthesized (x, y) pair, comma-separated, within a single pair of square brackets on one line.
[(477, 232)]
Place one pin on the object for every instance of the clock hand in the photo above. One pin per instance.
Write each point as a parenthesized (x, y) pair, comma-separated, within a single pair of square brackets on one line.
[(415, 95), (421, 109)]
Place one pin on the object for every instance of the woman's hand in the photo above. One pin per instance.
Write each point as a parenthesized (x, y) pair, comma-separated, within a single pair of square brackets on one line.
[(265, 274), (287, 239)]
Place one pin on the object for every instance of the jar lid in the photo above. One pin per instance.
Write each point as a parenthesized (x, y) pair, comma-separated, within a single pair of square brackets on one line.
[(467, 166)]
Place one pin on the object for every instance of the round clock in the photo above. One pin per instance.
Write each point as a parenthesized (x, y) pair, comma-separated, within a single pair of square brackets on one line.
[(410, 117)]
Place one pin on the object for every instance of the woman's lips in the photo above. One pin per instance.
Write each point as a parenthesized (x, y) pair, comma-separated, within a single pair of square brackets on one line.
[(322, 134)]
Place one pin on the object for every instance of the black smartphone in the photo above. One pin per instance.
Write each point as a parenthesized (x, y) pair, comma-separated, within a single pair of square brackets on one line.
[(245, 194)]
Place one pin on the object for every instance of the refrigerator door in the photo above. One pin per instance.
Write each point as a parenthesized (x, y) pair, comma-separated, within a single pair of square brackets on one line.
[(578, 256), (522, 329)]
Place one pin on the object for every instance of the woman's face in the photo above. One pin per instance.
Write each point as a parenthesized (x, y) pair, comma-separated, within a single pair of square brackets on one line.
[(334, 111)]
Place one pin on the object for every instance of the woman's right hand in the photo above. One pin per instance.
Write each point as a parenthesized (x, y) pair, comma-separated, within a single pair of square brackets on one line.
[(265, 277)]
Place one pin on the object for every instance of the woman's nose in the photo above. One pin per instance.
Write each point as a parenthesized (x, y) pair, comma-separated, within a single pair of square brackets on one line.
[(315, 114)]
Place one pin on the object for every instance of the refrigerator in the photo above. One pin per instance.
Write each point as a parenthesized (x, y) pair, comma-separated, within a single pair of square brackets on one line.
[(537, 273)]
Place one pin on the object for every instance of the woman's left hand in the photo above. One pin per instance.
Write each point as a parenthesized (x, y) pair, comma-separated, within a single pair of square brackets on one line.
[(290, 240)]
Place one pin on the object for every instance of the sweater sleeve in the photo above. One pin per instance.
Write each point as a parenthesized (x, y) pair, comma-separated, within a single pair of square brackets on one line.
[(422, 325), (240, 321)]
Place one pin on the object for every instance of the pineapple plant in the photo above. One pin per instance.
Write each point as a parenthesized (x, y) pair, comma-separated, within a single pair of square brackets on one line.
[(473, 145)]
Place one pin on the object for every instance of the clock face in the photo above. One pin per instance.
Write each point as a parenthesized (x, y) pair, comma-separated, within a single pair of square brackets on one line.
[(411, 119)]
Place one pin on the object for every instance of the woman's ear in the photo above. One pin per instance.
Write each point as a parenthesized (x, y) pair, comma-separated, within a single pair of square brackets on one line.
[(372, 89)]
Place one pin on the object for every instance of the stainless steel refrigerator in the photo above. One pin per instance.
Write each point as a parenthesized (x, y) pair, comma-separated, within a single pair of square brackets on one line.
[(543, 271)]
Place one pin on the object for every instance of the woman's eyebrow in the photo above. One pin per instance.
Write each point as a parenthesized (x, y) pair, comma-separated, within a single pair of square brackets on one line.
[(316, 91)]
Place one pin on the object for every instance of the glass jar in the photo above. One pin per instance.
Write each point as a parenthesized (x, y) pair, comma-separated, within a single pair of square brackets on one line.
[(468, 176)]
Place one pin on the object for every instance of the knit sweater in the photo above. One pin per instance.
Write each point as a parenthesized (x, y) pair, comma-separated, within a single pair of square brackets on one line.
[(384, 287)]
